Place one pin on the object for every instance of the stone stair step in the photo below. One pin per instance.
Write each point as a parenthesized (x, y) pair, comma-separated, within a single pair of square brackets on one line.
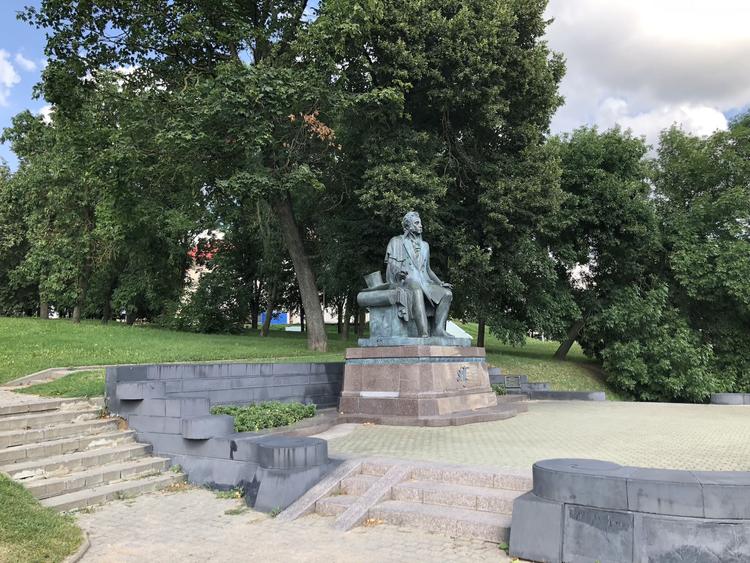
[(356, 485), (456, 474), (26, 421), (376, 467), (104, 493), (334, 505), (105, 474), (29, 407), (472, 476), (483, 499), (519, 398), (452, 521), (49, 448), (19, 437), (68, 463)]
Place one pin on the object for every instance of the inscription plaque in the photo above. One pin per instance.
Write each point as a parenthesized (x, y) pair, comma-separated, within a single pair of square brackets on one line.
[(606, 533)]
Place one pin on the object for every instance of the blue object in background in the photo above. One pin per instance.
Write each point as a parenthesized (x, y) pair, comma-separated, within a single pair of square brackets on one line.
[(277, 318)]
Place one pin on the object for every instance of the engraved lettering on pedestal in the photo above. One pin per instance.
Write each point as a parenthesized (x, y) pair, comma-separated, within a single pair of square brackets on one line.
[(463, 375)]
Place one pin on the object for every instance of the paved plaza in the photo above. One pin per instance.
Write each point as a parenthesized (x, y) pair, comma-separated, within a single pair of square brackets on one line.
[(676, 436), (194, 525)]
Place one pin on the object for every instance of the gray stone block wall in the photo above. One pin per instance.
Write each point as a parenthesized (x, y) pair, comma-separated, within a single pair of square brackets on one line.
[(590, 510), (520, 385), (169, 407), (228, 383)]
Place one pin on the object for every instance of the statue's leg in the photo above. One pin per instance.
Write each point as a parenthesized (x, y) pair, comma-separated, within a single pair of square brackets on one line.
[(418, 311), (441, 313)]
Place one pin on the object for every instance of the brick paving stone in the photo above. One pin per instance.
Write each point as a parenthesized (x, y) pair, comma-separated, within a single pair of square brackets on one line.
[(192, 526), (664, 435)]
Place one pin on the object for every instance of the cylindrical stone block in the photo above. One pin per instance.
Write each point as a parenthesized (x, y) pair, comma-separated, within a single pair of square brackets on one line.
[(287, 452)]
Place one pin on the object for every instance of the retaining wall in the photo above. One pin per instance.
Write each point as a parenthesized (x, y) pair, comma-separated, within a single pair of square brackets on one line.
[(169, 407), (589, 510)]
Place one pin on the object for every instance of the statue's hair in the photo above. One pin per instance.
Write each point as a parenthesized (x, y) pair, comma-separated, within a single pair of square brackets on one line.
[(408, 218)]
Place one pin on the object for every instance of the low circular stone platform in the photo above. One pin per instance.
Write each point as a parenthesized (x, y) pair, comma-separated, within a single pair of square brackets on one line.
[(583, 509)]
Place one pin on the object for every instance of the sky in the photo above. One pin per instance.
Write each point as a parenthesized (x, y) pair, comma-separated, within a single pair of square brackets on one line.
[(642, 64)]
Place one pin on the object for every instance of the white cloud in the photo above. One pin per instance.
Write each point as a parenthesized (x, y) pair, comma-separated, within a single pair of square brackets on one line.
[(8, 77), (25, 63), (646, 65), (46, 111), (697, 119)]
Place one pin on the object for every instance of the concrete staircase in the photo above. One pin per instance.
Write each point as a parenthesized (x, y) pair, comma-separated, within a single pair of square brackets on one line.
[(70, 457), (452, 500)]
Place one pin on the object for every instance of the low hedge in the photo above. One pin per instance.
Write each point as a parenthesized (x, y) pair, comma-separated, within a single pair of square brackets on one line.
[(266, 415)]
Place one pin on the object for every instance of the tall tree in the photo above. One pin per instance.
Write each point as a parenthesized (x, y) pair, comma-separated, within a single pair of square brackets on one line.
[(610, 238), (172, 45), (447, 109), (703, 196)]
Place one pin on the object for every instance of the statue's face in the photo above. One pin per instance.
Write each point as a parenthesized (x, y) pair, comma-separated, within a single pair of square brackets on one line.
[(415, 226)]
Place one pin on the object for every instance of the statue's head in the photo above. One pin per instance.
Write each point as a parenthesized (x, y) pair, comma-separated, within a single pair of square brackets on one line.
[(412, 223)]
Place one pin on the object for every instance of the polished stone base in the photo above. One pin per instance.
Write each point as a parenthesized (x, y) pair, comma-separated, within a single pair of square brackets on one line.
[(420, 386), (414, 341)]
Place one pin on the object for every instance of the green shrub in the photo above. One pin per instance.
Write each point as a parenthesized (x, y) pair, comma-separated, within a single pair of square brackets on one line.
[(266, 415), (499, 389), (648, 349)]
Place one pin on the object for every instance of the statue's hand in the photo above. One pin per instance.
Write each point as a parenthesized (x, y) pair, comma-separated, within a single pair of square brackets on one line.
[(446, 285), (402, 275)]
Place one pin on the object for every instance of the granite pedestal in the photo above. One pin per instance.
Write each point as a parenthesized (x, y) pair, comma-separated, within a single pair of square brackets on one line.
[(419, 385)]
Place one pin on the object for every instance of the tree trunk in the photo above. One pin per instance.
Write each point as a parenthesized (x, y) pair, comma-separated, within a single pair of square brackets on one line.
[(43, 309), (255, 306), (480, 332), (130, 318), (107, 311), (302, 319), (566, 344), (83, 287), (266, 328), (347, 318), (339, 316), (308, 288)]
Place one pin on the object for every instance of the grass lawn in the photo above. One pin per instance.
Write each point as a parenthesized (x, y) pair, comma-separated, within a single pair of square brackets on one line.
[(78, 384), (30, 532), (535, 359), (30, 345)]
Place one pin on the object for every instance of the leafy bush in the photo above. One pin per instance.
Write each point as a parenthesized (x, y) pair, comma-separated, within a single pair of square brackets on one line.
[(219, 304), (499, 389), (266, 415), (648, 349)]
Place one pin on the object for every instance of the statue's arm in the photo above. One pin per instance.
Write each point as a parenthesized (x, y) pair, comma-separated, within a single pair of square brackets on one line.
[(432, 275)]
